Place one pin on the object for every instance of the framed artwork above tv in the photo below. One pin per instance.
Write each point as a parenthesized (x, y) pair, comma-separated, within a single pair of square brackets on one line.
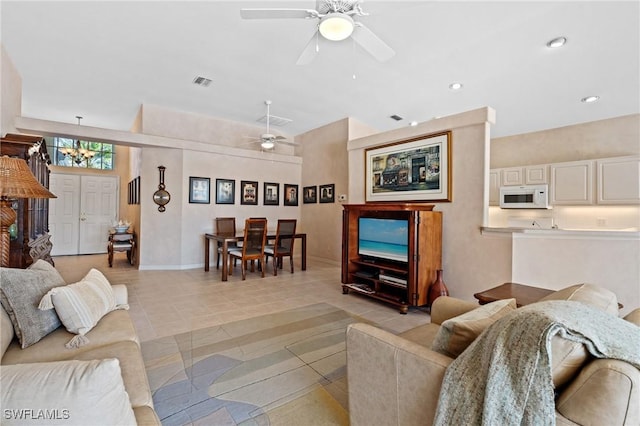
[(417, 169)]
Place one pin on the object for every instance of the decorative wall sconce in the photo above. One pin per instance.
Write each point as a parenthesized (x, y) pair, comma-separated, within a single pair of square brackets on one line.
[(161, 197)]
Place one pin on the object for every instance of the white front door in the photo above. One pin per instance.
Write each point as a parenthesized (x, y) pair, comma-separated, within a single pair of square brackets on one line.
[(98, 209), (64, 213), (82, 216)]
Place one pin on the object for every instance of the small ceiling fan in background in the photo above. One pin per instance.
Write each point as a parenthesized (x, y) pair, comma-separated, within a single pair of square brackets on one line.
[(335, 22), (268, 140)]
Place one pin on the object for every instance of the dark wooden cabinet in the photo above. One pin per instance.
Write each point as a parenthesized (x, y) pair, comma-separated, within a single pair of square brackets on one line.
[(399, 283), (30, 239)]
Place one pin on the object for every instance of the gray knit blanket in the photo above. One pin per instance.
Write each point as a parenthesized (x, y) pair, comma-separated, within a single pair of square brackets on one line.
[(504, 376)]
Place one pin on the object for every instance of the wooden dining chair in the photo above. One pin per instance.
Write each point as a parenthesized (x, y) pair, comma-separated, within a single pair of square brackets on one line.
[(283, 245), (224, 225), (255, 237)]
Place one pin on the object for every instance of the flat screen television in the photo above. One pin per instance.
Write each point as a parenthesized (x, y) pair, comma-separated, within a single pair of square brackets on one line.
[(383, 238)]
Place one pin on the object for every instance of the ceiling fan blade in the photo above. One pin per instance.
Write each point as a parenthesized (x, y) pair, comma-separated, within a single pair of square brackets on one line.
[(311, 49), (277, 13), (372, 43), (288, 143)]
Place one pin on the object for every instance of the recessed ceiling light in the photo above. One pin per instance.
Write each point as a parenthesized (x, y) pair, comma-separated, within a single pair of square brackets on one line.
[(556, 42), (589, 99), (455, 86)]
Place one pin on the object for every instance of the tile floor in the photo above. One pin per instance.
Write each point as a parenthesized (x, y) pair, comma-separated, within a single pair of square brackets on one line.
[(164, 303)]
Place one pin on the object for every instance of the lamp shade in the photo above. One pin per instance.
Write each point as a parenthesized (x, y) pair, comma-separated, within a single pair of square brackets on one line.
[(17, 181), (336, 26)]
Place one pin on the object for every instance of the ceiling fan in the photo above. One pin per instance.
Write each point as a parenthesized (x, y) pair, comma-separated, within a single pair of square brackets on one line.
[(335, 22), (268, 140)]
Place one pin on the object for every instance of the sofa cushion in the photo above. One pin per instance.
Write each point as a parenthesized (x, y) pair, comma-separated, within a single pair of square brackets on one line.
[(81, 305), (20, 292), (114, 327), (66, 392), (422, 335), (590, 294), (134, 374), (634, 317), (457, 333), (6, 331), (567, 356)]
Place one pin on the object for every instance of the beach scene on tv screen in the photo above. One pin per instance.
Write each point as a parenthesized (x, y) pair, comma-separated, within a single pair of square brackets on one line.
[(383, 238)]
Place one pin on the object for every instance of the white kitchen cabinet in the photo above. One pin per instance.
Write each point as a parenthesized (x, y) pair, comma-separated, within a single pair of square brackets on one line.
[(536, 175), (618, 180), (571, 183), (494, 187), (512, 176)]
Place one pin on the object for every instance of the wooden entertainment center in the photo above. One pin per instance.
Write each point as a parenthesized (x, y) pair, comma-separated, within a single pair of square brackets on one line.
[(399, 283)]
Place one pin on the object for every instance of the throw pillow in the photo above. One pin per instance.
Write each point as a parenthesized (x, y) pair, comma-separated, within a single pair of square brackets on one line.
[(65, 393), (81, 305), (456, 334), (20, 292), (590, 294)]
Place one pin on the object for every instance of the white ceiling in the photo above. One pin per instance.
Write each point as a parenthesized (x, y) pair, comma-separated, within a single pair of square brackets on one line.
[(103, 60)]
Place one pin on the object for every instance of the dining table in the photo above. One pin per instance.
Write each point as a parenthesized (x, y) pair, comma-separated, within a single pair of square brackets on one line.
[(224, 238)]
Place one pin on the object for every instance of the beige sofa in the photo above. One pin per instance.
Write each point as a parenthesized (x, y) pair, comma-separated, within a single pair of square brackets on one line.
[(396, 379), (114, 336)]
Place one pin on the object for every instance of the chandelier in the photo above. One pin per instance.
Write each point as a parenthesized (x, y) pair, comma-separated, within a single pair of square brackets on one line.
[(77, 153)]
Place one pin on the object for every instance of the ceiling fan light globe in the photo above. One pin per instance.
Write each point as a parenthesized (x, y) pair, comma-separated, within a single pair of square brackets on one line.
[(267, 144), (336, 26)]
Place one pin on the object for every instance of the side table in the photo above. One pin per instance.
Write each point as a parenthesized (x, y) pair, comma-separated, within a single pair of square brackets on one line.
[(524, 294), (125, 241)]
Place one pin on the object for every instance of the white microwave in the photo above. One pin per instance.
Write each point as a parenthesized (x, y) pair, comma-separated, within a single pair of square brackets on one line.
[(524, 197)]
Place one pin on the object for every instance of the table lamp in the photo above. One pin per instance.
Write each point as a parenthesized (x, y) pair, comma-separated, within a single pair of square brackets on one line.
[(16, 181)]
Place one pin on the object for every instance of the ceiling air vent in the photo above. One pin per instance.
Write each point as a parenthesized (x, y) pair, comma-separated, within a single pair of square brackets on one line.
[(396, 117), (202, 81), (274, 120)]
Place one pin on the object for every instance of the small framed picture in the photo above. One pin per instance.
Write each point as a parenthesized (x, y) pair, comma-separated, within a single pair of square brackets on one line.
[(271, 194), (310, 194), (248, 192), (199, 190), (290, 195), (225, 191), (327, 193)]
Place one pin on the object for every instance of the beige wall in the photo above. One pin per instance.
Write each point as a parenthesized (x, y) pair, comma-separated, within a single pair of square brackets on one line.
[(598, 139), (180, 245), (471, 261), (160, 121), (323, 153), (10, 93), (160, 233)]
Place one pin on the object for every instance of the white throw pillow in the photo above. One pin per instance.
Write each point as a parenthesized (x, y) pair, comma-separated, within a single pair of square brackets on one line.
[(81, 305), (65, 393)]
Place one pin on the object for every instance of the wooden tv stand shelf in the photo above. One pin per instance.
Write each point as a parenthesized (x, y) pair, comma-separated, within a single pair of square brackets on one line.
[(401, 284)]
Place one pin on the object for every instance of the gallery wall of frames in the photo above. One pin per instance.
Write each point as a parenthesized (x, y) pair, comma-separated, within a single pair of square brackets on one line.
[(247, 192)]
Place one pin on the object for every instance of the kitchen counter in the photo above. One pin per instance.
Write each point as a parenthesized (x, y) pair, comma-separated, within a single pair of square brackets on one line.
[(625, 234)]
